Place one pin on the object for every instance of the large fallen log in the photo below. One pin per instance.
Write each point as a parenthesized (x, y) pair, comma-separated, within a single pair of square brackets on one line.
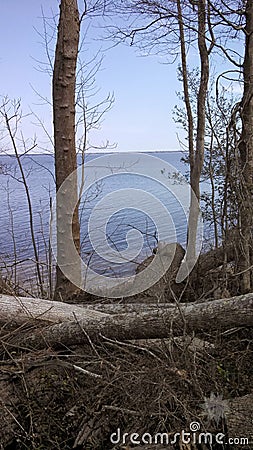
[(157, 323), (19, 310), (124, 308)]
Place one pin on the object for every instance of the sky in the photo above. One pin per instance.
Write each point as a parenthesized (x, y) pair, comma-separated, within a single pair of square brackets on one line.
[(144, 87)]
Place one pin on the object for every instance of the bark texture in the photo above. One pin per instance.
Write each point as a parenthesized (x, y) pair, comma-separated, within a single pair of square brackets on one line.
[(196, 153), (246, 157), (20, 310), (64, 84), (216, 315)]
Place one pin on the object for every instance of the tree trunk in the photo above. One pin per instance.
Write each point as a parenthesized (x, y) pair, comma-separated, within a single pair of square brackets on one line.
[(196, 156), (201, 103), (64, 83), (208, 316), (197, 165), (246, 157), (20, 310)]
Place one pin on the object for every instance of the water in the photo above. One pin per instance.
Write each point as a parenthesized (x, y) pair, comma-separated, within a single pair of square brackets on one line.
[(16, 250)]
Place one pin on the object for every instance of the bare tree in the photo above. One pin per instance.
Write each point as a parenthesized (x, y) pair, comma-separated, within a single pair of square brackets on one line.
[(12, 115), (246, 157), (196, 153), (172, 28), (75, 115), (236, 19), (64, 88), (88, 116), (220, 168)]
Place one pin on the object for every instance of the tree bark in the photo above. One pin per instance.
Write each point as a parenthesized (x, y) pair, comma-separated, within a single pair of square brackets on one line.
[(197, 166), (196, 156), (246, 157), (20, 310), (64, 84), (209, 316)]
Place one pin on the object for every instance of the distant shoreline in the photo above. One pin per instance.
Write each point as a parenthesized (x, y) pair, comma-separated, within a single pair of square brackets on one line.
[(102, 152)]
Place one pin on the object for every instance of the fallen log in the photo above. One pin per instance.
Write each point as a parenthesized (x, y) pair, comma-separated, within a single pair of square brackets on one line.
[(19, 310), (157, 323), (123, 308)]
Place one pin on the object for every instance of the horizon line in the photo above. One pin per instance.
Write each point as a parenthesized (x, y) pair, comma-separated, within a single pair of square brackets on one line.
[(100, 151)]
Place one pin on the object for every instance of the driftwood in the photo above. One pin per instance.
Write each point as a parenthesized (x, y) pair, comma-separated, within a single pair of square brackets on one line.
[(156, 323)]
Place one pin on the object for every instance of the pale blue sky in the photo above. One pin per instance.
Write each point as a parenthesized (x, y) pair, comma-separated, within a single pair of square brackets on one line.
[(144, 89)]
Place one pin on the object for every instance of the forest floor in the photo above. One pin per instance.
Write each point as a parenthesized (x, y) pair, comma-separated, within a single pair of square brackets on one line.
[(113, 395), (78, 397)]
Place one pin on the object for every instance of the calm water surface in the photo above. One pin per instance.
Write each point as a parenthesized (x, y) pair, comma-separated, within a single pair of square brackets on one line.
[(16, 252)]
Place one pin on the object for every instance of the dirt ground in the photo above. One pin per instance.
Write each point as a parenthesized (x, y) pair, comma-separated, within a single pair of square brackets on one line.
[(78, 397), (137, 394)]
